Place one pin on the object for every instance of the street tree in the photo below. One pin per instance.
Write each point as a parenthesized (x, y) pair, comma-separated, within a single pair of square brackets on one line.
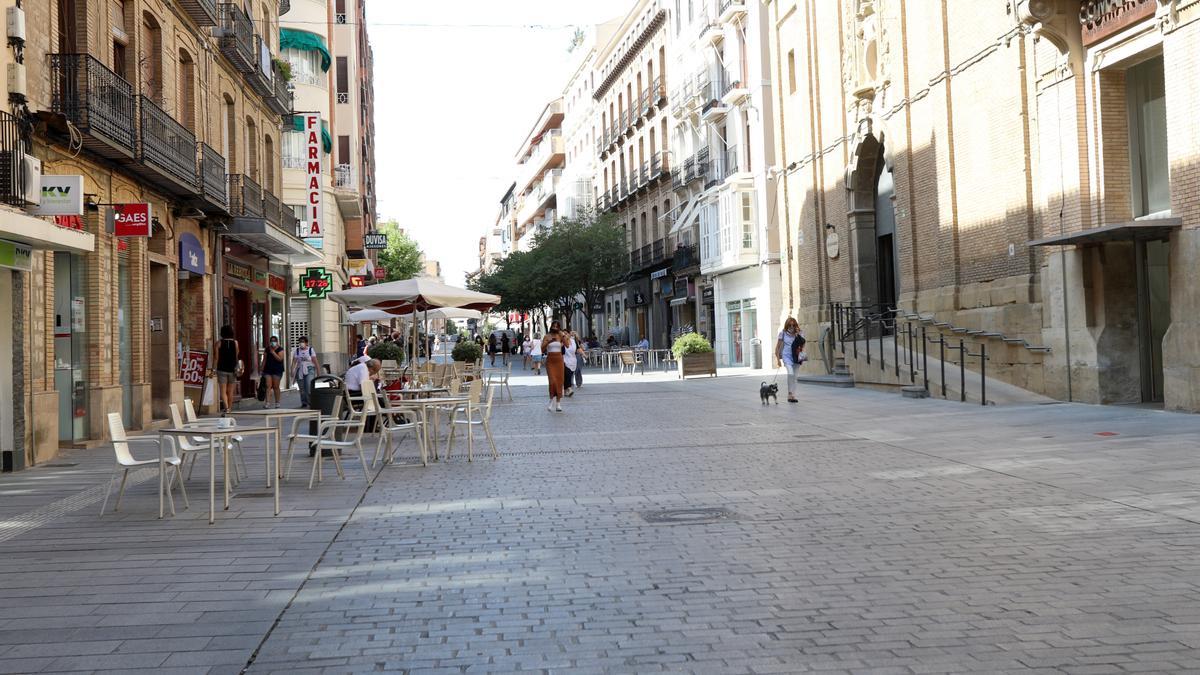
[(402, 257)]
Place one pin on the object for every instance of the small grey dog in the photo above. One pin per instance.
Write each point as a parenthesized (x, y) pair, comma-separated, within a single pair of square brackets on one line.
[(768, 391)]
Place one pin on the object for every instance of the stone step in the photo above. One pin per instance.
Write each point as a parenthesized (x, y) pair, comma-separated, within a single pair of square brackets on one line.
[(835, 380)]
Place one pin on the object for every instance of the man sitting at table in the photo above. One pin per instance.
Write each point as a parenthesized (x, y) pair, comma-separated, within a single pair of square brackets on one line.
[(362, 376), (643, 344)]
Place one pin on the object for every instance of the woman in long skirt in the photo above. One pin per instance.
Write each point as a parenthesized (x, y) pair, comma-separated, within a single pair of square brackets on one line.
[(552, 347)]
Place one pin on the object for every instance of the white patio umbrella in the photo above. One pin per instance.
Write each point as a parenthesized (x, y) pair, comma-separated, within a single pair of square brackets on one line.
[(367, 315), (415, 295)]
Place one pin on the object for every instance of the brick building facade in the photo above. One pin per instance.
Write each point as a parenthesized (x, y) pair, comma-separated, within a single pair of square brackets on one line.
[(1022, 173), (173, 104)]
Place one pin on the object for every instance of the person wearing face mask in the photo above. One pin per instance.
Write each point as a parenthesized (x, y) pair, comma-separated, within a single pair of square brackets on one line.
[(273, 370), (304, 368)]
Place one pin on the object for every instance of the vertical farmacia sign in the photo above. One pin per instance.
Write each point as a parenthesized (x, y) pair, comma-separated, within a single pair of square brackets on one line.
[(315, 215)]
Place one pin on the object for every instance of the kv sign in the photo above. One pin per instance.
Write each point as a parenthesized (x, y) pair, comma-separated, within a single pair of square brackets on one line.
[(314, 215), (130, 220)]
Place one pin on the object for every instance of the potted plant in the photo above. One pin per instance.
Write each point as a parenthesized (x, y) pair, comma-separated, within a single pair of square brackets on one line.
[(466, 351), (386, 351), (285, 68), (695, 355)]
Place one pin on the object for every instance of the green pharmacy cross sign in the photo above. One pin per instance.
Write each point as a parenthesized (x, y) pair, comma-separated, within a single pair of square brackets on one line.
[(316, 282)]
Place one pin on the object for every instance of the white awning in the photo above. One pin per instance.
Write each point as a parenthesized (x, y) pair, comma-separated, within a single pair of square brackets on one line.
[(41, 234)]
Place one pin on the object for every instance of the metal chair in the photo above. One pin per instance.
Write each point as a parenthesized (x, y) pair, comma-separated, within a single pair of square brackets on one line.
[(126, 461), (327, 440), (474, 415), (398, 418), (239, 458), (310, 438), (195, 446)]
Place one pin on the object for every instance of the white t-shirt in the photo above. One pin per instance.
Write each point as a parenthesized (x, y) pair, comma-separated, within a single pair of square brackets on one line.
[(569, 354), (535, 347), (358, 378), (526, 346)]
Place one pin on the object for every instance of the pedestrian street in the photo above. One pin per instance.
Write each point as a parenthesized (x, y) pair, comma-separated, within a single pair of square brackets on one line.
[(654, 525)]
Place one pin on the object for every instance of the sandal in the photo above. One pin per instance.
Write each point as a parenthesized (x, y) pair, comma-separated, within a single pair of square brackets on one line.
[(792, 400)]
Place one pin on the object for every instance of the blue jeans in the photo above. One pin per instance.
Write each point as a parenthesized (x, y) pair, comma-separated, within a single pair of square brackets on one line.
[(579, 373), (305, 382)]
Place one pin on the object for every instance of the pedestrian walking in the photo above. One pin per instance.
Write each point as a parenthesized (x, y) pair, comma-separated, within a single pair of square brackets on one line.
[(789, 353), (552, 346), (581, 348), (304, 368), (526, 353), (273, 367), (493, 347), (570, 362), (535, 354), (506, 347), (360, 348), (229, 367)]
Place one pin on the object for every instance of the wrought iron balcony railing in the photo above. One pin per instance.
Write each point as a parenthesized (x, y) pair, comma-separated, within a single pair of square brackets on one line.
[(213, 185), (14, 143), (272, 208), (245, 196), (236, 34), (203, 12), (167, 147), (280, 100), (260, 78), (685, 256), (97, 101)]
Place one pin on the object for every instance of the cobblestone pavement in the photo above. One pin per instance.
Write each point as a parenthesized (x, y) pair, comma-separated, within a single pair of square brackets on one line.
[(659, 526)]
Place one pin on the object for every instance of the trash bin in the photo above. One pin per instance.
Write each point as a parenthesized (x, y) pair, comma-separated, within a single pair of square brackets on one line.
[(756, 353), (322, 395)]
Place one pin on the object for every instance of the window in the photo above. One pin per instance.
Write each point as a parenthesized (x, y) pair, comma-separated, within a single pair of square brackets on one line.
[(792, 71), (343, 77), (344, 156), (292, 146), (1149, 167), (187, 91), (152, 70), (228, 140), (747, 219), (306, 66), (251, 149), (268, 163)]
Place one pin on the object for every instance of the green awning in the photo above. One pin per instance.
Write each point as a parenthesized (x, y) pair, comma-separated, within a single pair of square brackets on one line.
[(326, 139), (305, 41)]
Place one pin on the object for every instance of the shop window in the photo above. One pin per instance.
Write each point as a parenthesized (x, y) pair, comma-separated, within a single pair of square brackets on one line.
[(1147, 110)]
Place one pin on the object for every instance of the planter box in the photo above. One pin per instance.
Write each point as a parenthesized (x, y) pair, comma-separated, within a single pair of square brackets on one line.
[(698, 364)]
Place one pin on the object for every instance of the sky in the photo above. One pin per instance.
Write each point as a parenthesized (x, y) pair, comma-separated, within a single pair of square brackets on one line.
[(458, 85)]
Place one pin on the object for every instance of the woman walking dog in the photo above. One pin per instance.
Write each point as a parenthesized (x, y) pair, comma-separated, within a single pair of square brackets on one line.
[(789, 353)]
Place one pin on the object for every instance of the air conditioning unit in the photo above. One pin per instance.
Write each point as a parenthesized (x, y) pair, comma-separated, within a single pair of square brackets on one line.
[(21, 177), (16, 80)]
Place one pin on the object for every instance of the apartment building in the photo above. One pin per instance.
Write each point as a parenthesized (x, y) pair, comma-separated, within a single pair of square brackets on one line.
[(1017, 174), (633, 168), (725, 240), (326, 45), (539, 169), (156, 126)]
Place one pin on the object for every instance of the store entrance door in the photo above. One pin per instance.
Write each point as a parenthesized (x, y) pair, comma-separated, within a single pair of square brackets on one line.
[(7, 439), (244, 335), (70, 346), (1154, 314), (161, 332)]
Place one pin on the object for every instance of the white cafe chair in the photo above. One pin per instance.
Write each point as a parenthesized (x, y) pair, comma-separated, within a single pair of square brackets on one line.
[(126, 461), (239, 458), (397, 418), (473, 415), (307, 439), (194, 446), (327, 440)]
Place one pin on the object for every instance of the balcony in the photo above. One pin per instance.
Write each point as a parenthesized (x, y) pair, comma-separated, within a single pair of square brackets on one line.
[(245, 197), (547, 154), (280, 100), (731, 10), (261, 78), (214, 188), (236, 34), (734, 90), (700, 166), (658, 92), (659, 165), (712, 33), (714, 108), (166, 151), (645, 106), (679, 179), (730, 227), (203, 12), (346, 191), (643, 176), (272, 208), (97, 101), (685, 257)]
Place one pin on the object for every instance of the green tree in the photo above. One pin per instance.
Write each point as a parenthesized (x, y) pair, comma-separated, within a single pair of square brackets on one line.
[(402, 257)]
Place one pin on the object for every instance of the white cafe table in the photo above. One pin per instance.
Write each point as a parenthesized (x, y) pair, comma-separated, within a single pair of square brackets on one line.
[(276, 416), (217, 435), (435, 403)]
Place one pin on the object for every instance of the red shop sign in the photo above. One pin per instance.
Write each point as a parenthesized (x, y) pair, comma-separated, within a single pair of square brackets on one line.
[(131, 220), (277, 283)]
